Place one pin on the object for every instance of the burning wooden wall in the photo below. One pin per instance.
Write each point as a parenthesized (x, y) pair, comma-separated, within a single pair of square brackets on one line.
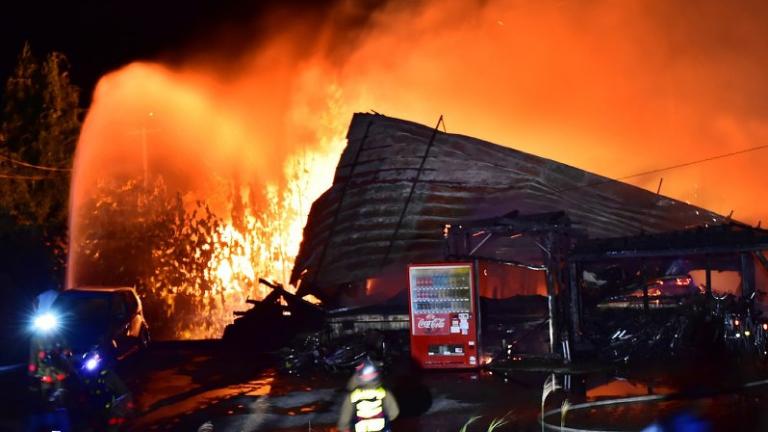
[(369, 222)]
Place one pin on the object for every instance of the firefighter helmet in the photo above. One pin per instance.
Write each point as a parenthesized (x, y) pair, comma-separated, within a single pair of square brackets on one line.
[(367, 372)]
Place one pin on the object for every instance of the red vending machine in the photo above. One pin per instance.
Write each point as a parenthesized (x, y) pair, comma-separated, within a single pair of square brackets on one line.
[(443, 308)]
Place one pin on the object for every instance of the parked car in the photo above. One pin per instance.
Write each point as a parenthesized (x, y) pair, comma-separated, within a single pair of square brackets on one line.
[(111, 319)]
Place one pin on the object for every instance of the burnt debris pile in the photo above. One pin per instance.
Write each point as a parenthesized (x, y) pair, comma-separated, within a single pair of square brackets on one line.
[(272, 322)]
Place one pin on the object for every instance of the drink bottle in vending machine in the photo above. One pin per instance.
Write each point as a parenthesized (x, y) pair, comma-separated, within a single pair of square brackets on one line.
[(443, 312)]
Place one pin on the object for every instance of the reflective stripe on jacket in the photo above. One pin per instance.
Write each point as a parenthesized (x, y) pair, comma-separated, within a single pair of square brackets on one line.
[(368, 410)]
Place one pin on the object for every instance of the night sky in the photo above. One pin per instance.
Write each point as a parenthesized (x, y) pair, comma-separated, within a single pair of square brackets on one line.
[(99, 36)]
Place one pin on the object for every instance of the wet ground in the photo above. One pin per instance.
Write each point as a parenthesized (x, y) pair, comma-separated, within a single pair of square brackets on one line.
[(181, 386), (236, 394)]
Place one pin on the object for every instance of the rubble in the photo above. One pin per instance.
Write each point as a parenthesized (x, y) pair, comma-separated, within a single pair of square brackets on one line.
[(255, 329)]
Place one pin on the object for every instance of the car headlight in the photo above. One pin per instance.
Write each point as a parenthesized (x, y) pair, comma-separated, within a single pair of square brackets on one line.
[(92, 362), (46, 322)]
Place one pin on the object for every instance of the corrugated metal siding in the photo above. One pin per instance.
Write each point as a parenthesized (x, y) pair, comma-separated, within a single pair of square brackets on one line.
[(461, 177)]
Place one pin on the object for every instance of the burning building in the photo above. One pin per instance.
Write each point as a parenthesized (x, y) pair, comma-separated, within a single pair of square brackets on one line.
[(400, 187), (543, 236)]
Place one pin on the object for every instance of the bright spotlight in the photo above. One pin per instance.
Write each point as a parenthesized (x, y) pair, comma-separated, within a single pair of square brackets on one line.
[(46, 322), (92, 363)]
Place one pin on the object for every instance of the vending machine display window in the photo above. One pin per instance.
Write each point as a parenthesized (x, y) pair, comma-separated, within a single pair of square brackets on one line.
[(443, 315)]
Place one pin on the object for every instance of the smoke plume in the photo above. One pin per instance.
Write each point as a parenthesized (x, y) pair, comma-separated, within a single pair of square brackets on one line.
[(615, 88)]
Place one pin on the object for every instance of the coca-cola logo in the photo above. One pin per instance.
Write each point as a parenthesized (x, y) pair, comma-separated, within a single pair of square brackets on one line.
[(431, 322)]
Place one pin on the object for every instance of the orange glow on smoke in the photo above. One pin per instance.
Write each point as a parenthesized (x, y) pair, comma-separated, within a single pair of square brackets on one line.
[(611, 87), (207, 147)]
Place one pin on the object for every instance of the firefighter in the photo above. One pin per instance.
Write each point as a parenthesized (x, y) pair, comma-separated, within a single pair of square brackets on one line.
[(46, 345), (368, 407), (47, 368)]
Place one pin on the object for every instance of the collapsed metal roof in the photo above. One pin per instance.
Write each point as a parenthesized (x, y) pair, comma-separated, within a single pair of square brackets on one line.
[(399, 183)]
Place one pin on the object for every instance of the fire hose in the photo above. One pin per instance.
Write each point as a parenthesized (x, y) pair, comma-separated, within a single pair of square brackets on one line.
[(629, 400)]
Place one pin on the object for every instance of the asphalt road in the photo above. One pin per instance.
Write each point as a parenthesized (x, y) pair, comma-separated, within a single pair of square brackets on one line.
[(179, 386), (191, 384)]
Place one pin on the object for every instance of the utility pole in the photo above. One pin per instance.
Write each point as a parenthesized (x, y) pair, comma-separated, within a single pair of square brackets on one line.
[(144, 161), (143, 132)]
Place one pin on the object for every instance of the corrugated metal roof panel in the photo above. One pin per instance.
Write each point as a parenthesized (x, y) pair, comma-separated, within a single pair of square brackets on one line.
[(462, 178)]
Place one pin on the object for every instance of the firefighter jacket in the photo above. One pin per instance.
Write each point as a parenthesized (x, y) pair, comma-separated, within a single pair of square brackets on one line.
[(368, 409)]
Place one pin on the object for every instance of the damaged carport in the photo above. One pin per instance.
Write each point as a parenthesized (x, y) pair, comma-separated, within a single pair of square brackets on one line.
[(727, 258), (399, 185), (537, 243), (549, 245)]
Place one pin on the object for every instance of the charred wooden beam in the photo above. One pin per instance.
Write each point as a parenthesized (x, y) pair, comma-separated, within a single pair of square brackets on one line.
[(763, 261), (574, 289), (550, 258), (672, 252), (708, 273), (711, 240), (747, 275)]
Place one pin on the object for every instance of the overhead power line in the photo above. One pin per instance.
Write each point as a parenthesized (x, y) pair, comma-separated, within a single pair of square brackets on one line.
[(696, 162), (669, 168), (33, 166)]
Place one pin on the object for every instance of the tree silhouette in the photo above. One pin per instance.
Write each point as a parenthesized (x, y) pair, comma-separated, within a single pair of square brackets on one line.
[(39, 126)]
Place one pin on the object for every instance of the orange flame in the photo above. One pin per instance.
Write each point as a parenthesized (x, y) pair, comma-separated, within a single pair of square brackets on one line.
[(611, 87)]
